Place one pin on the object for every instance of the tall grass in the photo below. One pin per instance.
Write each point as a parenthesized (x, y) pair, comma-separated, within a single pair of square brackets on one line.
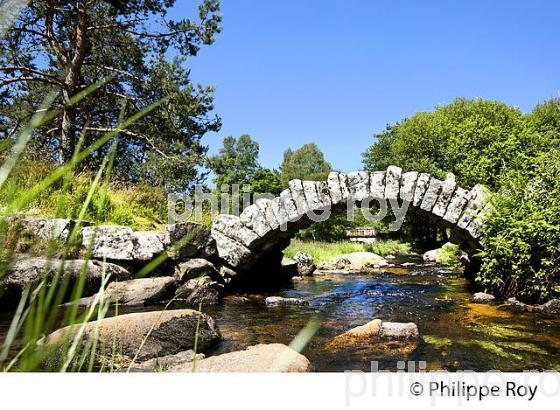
[(39, 311)]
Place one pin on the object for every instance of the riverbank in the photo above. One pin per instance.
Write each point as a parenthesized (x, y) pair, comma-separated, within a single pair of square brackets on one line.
[(325, 251)]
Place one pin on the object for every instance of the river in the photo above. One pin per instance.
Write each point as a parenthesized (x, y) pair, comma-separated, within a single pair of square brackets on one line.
[(455, 334)]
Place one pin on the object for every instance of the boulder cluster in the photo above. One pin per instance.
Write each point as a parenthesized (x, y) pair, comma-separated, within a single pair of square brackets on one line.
[(134, 268)]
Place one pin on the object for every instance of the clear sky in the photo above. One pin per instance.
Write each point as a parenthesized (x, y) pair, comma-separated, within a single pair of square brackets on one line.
[(331, 72)]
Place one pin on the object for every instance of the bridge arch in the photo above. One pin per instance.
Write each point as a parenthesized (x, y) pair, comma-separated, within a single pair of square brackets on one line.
[(265, 228)]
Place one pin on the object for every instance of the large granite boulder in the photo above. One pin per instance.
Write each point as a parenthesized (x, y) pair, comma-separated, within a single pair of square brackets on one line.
[(145, 335), (260, 358), (30, 271), (136, 292), (49, 228), (121, 243), (188, 240)]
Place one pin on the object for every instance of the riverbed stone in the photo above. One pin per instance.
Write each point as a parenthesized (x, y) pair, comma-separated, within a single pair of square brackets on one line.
[(399, 330), (168, 332), (370, 329), (29, 272), (195, 268), (514, 305), (359, 261), (482, 297), (280, 301), (305, 264), (161, 364), (202, 290), (339, 263), (550, 307), (121, 243), (260, 358)]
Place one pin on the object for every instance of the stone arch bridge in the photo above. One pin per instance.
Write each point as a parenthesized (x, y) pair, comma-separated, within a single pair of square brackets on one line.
[(264, 229)]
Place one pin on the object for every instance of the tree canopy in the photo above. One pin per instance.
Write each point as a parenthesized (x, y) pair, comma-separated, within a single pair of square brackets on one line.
[(237, 163), (64, 47), (307, 162)]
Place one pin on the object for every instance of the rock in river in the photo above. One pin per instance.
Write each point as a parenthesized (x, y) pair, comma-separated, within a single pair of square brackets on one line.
[(399, 330), (280, 301), (305, 264), (172, 331), (550, 307), (136, 292), (260, 358), (482, 297)]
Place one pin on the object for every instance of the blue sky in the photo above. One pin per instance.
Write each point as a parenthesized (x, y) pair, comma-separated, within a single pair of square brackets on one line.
[(335, 72)]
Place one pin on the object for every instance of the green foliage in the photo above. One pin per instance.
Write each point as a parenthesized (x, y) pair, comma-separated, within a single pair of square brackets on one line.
[(58, 48), (305, 163), (389, 247), (141, 206), (522, 251), (474, 139), (449, 255), (237, 164)]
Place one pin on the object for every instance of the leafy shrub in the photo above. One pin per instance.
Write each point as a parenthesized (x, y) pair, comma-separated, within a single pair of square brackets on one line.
[(522, 250)]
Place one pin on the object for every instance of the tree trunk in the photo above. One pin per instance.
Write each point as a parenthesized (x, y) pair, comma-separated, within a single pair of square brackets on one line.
[(67, 137), (71, 86)]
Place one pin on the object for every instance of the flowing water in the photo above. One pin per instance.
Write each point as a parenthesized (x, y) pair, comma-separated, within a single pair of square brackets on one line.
[(455, 334)]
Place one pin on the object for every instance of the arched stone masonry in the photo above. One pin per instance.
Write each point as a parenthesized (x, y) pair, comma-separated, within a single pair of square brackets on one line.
[(266, 227)]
